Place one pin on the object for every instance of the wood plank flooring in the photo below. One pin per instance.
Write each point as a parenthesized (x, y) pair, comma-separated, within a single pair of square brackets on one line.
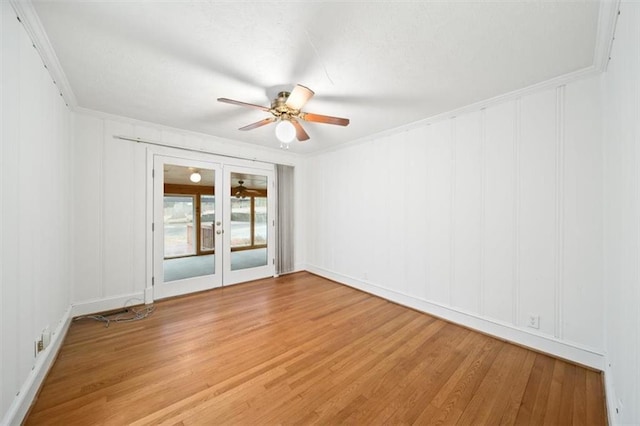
[(302, 349)]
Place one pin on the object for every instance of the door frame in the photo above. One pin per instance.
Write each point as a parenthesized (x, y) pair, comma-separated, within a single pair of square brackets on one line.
[(187, 154)]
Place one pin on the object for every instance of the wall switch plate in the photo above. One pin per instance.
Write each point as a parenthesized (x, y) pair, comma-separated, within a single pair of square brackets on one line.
[(46, 337), (533, 321)]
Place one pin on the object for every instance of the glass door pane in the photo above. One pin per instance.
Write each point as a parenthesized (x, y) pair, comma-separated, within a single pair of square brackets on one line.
[(188, 224), (185, 243), (247, 251), (249, 227)]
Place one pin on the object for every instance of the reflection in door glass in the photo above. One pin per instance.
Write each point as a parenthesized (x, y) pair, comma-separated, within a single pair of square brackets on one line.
[(179, 233), (240, 222), (207, 219), (248, 221), (260, 223)]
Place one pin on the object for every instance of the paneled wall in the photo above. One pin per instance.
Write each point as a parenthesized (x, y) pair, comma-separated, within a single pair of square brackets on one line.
[(493, 216), (35, 212), (110, 187), (621, 86)]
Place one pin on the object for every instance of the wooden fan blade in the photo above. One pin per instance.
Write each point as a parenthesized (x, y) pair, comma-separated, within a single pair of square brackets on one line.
[(244, 104), (317, 118), (301, 135), (258, 124), (299, 96)]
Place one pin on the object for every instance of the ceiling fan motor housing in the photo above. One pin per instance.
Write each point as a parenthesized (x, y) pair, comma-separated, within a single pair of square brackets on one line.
[(280, 109)]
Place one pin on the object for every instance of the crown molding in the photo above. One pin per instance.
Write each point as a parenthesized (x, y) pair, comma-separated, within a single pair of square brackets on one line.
[(28, 16), (607, 20)]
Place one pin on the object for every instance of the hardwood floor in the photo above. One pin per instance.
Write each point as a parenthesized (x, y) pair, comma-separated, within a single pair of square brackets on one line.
[(301, 349)]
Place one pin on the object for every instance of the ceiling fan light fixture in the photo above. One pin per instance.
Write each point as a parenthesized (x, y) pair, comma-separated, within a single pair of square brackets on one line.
[(195, 177), (299, 96), (285, 131)]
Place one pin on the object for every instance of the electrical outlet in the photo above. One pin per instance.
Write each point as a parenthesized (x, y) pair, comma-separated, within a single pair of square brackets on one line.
[(533, 321), (38, 346)]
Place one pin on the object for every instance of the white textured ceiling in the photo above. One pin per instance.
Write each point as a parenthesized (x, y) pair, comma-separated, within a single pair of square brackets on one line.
[(381, 64)]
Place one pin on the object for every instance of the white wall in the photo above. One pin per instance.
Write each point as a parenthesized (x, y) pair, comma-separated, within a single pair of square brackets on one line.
[(110, 203), (621, 88), (484, 218), (35, 226)]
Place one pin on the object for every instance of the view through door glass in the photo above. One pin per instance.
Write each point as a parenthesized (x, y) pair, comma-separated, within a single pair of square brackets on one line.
[(207, 219), (248, 221), (189, 216)]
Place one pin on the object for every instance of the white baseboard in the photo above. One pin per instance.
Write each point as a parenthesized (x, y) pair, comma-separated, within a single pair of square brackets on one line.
[(22, 402), (108, 304), (148, 295), (542, 343), (610, 395)]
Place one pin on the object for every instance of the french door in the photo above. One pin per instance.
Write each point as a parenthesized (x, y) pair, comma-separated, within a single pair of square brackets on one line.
[(249, 224), (213, 223)]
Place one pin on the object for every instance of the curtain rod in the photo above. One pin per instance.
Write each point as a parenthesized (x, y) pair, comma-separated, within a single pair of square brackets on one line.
[(201, 151)]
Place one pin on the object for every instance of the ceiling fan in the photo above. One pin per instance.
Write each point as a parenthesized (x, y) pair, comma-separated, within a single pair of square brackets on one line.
[(241, 191), (286, 110)]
